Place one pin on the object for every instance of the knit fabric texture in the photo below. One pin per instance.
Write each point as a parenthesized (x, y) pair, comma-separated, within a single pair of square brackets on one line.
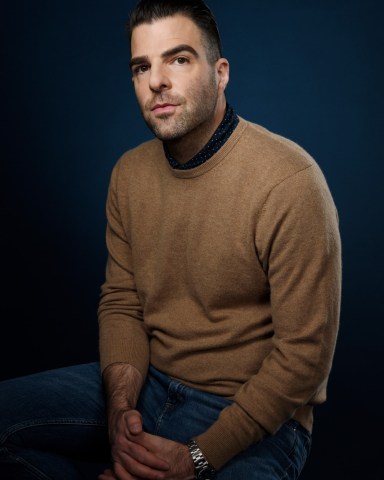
[(226, 276)]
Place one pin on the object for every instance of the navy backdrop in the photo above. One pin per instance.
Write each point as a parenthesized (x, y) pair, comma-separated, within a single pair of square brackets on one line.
[(309, 70)]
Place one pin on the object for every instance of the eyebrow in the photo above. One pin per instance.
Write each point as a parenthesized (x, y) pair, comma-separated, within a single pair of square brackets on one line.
[(168, 53)]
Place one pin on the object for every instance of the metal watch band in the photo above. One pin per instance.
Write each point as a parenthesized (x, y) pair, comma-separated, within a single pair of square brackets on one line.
[(203, 470)]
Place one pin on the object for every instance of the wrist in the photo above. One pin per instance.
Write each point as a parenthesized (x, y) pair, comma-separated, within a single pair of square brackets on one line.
[(203, 470)]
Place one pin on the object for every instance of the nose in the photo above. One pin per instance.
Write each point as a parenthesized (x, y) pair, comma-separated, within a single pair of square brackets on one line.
[(158, 79)]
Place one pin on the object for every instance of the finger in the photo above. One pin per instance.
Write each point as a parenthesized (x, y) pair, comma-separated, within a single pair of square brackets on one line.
[(107, 475), (141, 455), (136, 469), (122, 474), (134, 422), (110, 475)]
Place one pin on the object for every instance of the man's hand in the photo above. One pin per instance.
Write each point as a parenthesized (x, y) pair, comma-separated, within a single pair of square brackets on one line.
[(145, 456), (130, 459), (140, 455), (176, 454)]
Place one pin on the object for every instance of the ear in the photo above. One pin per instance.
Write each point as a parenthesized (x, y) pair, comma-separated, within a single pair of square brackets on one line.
[(222, 71)]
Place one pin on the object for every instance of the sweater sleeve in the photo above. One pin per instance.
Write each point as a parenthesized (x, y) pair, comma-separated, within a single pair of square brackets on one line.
[(298, 245), (122, 333)]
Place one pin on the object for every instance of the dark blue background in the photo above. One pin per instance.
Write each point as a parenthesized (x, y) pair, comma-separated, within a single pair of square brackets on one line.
[(309, 70)]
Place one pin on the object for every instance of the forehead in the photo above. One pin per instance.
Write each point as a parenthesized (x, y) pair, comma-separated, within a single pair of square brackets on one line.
[(160, 35)]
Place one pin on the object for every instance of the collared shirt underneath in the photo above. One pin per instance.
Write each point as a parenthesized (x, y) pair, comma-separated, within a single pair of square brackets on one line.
[(221, 135)]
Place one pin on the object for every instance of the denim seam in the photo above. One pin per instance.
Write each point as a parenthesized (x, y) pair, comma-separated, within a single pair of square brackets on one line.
[(303, 456), (40, 422), (306, 440), (307, 447), (165, 409), (175, 388), (292, 427), (33, 470)]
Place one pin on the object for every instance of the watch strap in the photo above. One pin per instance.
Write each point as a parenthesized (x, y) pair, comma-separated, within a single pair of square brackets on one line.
[(203, 470)]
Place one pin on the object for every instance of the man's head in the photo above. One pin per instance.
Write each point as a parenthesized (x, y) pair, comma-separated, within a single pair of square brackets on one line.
[(148, 11), (178, 74)]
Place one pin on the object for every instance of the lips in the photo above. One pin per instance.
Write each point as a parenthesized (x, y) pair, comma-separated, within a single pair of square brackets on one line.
[(161, 108), (162, 105)]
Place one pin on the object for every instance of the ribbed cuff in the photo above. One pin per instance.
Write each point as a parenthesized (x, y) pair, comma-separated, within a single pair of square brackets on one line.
[(232, 433), (117, 346)]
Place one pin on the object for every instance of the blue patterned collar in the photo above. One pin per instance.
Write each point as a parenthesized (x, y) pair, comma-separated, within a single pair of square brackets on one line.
[(221, 135)]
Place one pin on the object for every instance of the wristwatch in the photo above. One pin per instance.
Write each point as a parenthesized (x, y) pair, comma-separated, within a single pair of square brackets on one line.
[(203, 470)]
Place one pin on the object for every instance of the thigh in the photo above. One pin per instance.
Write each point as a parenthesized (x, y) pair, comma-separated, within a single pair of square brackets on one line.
[(279, 457), (175, 411), (60, 410)]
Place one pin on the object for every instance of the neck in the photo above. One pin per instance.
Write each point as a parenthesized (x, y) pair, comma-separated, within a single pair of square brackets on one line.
[(183, 149)]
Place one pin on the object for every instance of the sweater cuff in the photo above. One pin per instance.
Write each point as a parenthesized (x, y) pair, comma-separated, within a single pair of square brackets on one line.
[(117, 345), (233, 432)]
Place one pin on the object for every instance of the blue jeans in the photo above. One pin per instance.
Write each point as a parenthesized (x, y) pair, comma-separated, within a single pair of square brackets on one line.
[(52, 420)]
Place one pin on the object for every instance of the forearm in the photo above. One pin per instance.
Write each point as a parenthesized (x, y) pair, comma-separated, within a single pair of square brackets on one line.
[(122, 384)]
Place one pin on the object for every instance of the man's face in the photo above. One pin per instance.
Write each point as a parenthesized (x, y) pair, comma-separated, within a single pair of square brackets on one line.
[(176, 87)]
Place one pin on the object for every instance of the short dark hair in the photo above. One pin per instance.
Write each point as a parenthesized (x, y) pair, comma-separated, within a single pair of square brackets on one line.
[(146, 11)]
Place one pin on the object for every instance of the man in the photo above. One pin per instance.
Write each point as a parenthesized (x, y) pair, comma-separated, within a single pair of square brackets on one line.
[(219, 313)]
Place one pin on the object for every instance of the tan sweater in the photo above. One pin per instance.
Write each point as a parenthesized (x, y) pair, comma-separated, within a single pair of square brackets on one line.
[(226, 277)]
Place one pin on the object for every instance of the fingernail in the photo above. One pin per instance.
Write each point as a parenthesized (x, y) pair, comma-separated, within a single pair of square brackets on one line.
[(135, 428)]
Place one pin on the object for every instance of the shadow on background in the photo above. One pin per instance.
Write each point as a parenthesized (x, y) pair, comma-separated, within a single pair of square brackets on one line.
[(308, 70)]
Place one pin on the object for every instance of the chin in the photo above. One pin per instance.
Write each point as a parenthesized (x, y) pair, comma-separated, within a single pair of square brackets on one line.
[(166, 135)]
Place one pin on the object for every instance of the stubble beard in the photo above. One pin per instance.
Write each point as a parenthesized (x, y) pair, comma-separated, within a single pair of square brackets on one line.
[(195, 112)]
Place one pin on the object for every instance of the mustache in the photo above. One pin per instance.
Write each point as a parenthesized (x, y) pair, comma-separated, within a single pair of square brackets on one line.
[(164, 98)]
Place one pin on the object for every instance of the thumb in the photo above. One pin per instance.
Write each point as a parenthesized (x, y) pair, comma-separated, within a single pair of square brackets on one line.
[(134, 422)]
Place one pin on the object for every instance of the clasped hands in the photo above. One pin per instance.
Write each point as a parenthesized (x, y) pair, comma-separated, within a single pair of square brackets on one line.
[(138, 455)]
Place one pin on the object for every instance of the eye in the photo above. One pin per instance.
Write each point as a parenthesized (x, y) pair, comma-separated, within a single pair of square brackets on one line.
[(181, 60), (140, 69)]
